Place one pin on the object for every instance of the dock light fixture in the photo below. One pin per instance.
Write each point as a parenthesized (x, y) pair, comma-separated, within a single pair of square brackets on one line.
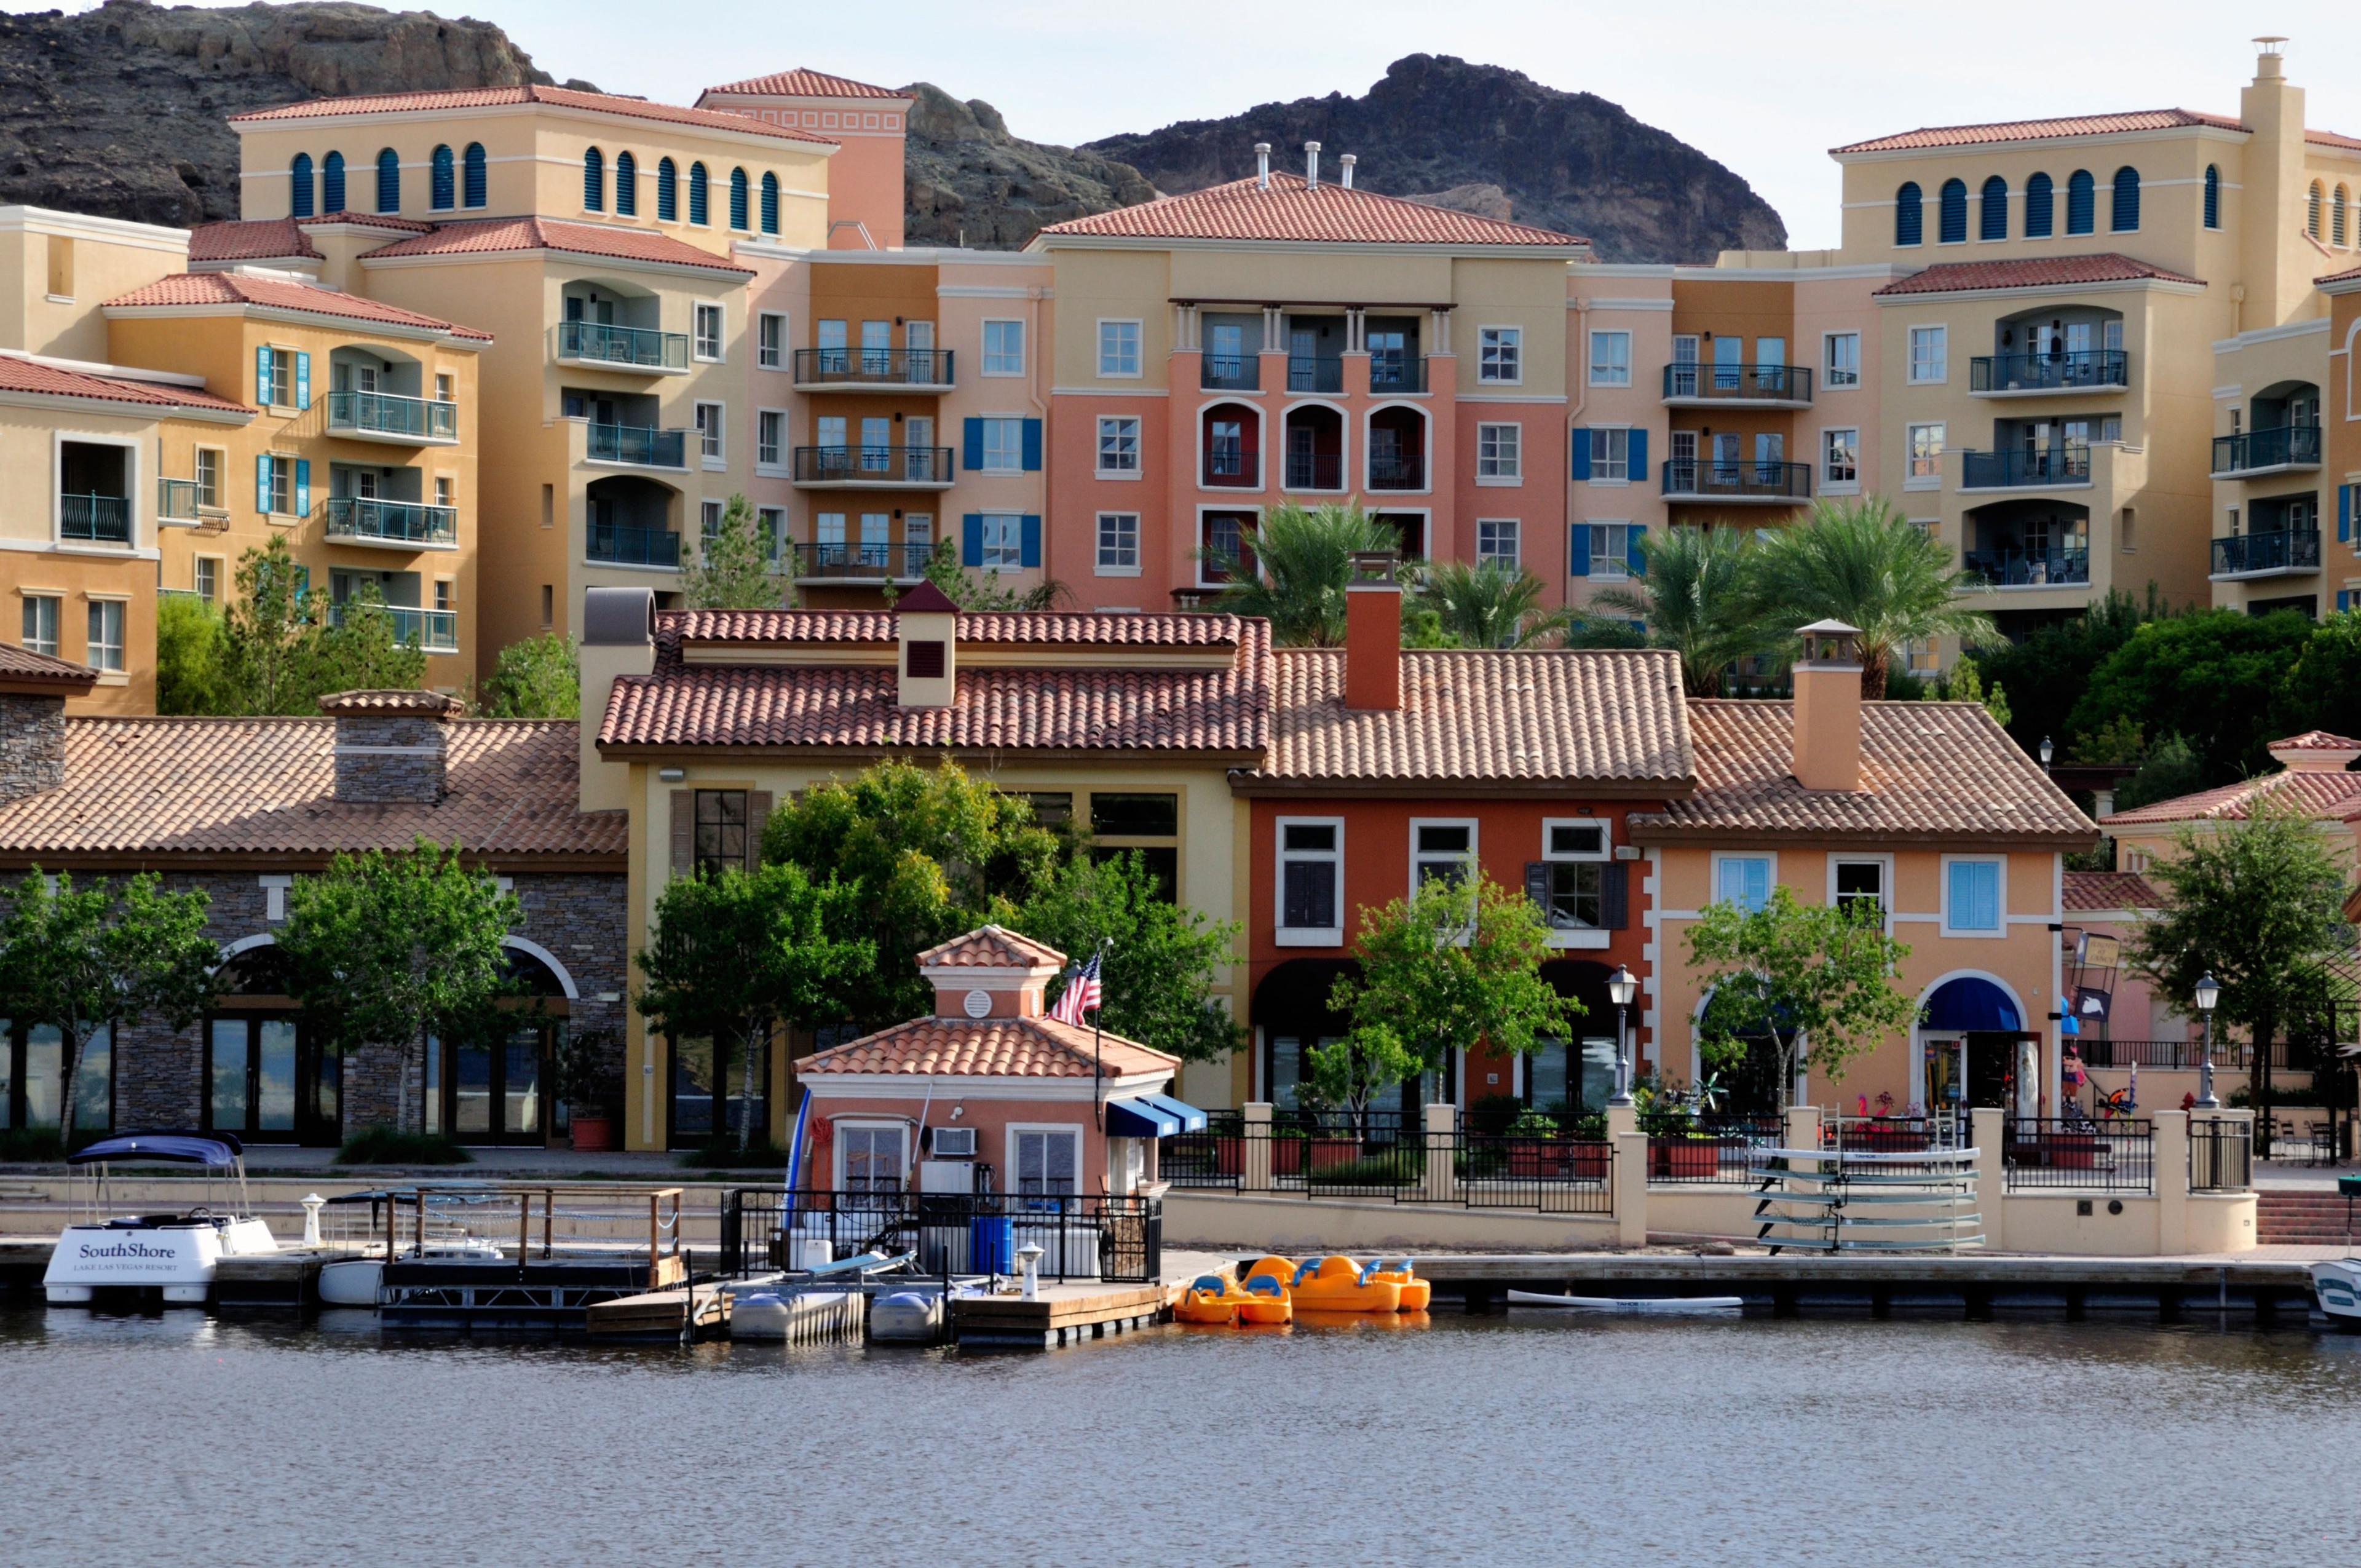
[(1029, 1259), (2208, 993), (2047, 750), (1622, 987)]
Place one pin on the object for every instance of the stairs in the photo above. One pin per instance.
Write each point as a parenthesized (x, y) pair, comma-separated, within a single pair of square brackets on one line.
[(2301, 1219)]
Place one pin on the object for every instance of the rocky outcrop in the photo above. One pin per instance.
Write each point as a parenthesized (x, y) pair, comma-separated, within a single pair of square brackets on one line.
[(967, 180)]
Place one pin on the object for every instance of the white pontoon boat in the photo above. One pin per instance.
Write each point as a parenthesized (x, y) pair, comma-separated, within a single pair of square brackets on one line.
[(169, 1255)]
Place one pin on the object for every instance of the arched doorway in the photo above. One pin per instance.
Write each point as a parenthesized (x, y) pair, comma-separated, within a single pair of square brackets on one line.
[(487, 1087), (1315, 448), (1975, 1051), (1397, 447), (1291, 1016), (265, 1076), (1232, 447)]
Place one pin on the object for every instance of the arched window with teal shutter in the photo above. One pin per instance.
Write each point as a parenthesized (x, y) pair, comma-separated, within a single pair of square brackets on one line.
[(389, 181), (473, 182), (2081, 202), (738, 200), (699, 212), (1991, 210), (2212, 196), (443, 185), (1953, 211), (770, 203), (594, 181), (2040, 207), (2125, 218), (332, 183), (299, 192), (667, 192), (627, 186), (1909, 214)]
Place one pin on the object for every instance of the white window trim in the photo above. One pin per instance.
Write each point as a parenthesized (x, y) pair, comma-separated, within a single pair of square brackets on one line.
[(141, 495), (786, 364), (1943, 894), (1197, 538), (1622, 574), (1081, 1151), (1284, 934), (1484, 380), (1098, 347), (721, 338), (1713, 886), (1858, 372), (1516, 522), (1018, 420), (1910, 364), (1929, 482), (1138, 470), (982, 358), (1885, 882), (1575, 937), (1499, 481), (1139, 546), (1590, 371), (1627, 429), (779, 469), (720, 429), (1475, 843), (1828, 487), (868, 1125), (1005, 515)]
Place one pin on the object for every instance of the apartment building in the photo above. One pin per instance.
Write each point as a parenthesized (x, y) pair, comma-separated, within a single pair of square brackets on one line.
[(2341, 438)]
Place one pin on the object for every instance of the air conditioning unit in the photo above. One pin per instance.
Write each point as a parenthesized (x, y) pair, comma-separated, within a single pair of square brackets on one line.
[(952, 1143)]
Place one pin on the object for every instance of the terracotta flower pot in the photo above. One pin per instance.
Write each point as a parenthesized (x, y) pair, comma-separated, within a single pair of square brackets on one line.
[(1683, 1159), (593, 1135)]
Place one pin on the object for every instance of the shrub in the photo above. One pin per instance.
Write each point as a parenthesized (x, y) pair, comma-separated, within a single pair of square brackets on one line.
[(384, 1145), (30, 1144)]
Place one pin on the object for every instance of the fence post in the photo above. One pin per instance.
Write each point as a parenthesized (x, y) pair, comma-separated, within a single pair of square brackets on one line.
[(1631, 1186), (1441, 1126), (1802, 1130), (2169, 1175), (1621, 1119), (1987, 1131), (1255, 1165)]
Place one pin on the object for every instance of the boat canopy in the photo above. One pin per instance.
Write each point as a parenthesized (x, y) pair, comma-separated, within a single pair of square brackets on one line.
[(1152, 1116), (218, 1150)]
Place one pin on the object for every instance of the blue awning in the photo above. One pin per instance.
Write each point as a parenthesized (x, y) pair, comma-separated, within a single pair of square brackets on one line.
[(177, 1148), (1969, 1005), (1152, 1116)]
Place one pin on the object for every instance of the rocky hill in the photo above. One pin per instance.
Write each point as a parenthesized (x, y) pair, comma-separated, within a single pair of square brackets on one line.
[(967, 180)]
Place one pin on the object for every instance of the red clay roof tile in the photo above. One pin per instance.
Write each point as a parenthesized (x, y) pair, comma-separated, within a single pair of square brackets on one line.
[(2045, 272), (492, 235), (284, 294), (22, 375), (1024, 627), (989, 1047), (2036, 130), (251, 239), (991, 947), (2090, 891), (804, 83), (1291, 210)]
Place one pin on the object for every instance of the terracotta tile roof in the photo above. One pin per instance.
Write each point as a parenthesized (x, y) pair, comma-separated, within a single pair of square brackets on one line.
[(431, 704), (494, 97), (254, 240), (1929, 770), (1289, 211), (2036, 130), (845, 707), (1542, 719), (991, 947), (2045, 272), (237, 289), (802, 83), (790, 626), (2088, 891), (2314, 740), (19, 375), (156, 789), (989, 1048), (2326, 796), (492, 235), (22, 669), (347, 215)]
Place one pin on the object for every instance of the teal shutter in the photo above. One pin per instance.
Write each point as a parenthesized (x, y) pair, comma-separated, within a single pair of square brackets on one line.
[(2344, 513), (302, 487), (1639, 455), (263, 376), (1032, 445), (1635, 548), (1577, 550), (971, 442), (1582, 452), (971, 533), (1028, 545), (303, 380), (262, 483)]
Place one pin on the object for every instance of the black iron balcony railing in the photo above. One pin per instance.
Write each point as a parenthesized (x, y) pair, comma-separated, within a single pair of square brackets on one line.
[(1234, 468), (392, 522), (1315, 471), (874, 366), (1738, 383), (1406, 472), (2286, 447), (629, 544), (638, 445), (177, 500), (2284, 549), (1739, 480), (384, 414), (867, 563), (1306, 373), (2089, 368), (1230, 373), (2029, 568), (2018, 468), (633, 346), (874, 465), (434, 631), (95, 519), (1391, 370)]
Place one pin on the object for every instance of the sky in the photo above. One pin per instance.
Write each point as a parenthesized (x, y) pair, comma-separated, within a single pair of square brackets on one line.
[(1766, 88)]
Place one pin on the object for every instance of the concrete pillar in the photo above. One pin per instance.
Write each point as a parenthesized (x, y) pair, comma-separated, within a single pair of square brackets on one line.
[(1803, 1129), (1987, 1136), (1442, 1150), (2172, 1179), (1621, 1119), (1255, 1169), (1630, 1188)]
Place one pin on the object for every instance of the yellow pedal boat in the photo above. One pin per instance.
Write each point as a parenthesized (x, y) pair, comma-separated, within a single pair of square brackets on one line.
[(1267, 1300), (1210, 1299), (1416, 1293), (1337, 1284)]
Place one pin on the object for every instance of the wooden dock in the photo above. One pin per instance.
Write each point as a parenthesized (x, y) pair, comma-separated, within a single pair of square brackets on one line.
[(279, 1282), (1060, 1315), (699, 1311)]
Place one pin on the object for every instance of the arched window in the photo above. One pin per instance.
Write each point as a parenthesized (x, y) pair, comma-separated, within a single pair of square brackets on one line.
[(2081, 202), (332, 183), (2311, 212), (1909, 214), (1993, 212), (667, 192), (472, 181), (698, 211), (738, 205), (2336, 217), (1953, 209), (389, 181), (770, 203), (2124, 217), (442, 187), (2213, 197), (2040, 207), (298, 194), (627, 185), (594, 181)]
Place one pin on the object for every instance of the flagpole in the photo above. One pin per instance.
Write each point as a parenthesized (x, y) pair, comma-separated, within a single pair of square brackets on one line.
[(1098, 963)]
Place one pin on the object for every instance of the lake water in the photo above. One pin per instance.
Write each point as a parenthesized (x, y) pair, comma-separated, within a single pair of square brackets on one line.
[(179, 1440)]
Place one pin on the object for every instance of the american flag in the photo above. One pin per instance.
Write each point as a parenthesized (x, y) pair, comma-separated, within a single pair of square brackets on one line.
[(1082, 994)]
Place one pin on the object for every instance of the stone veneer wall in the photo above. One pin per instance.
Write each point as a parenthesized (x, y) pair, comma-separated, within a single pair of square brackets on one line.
[(401, 758), (32, 744)]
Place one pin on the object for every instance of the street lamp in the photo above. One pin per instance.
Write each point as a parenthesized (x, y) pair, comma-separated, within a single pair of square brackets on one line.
[(1622, 987), (2047, 750), (2208, 992)]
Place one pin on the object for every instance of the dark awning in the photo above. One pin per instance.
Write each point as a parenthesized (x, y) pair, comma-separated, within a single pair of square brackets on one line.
[(1152, 1116), (176, 1148)]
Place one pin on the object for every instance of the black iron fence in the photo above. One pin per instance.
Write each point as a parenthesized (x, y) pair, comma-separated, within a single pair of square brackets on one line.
[(2221, 1157), (1386, 1155), (1119, 1239), (2114, 1156)]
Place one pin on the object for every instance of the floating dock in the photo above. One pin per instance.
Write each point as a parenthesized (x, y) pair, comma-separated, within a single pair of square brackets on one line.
[(1059, 1315)]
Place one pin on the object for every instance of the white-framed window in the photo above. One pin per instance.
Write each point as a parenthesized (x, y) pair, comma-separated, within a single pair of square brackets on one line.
[(282, 486), (1861, 879), (1500, 355), (1441, 849), (1118, 553), (1003, 348), (446, 387), (42, 624), (1118, 445), (710, 418), (1841, 360), (1611, 454), (1119, 348), (1976, 895), (1004, 445), (1045, 1161), (1577, 852), (205, 577), (1744, 879), (1496, 543), (1610, 358), (106, 648), (1610, 547), (770, 438), (771, 527), (869, 1156), (708, 333), (212, 461), (1500, 452), (1926, 452), (771, 341), (1841, 458), (708, 519), (1310, 882), (1930, 355), (1003, 542), (445, 488)]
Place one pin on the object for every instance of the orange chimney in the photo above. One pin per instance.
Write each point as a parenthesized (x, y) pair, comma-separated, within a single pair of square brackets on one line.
[(1828, 707), (1373, 634)]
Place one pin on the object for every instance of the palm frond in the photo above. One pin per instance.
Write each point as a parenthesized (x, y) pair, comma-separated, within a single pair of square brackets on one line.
[(1861, 561), (1692, 597), (1489, 606), (1296, 570)]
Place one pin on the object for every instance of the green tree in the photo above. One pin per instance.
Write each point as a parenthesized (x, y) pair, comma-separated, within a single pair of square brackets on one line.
[(2168, 771), (191, 649), (1303, 564), (540, 677), (1964, 683), (735, 567), (2259, 904), (1158, 976), (2211, 677), (1489, 606), (2047, 670), (1805, 976), (737, 955), (1692, 595), (2323, 689), (362, 650), (272, 625), (980, 591), (387, 948), (1861, 561), (82, 959), (1455, 966), (275, 652)]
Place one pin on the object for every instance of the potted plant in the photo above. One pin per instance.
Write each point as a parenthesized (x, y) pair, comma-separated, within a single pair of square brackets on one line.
[(1588, 1154), (1678, 1150), (589, 1085), (1535, 1147)]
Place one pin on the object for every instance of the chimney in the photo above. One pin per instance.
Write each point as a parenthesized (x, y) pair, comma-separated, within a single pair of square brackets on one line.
[(1828, 707), (33, 692), (926, 625), (1373, 634), (1262, 164), (1345, 163), (1312, 165), (619, 637), (390, 745)]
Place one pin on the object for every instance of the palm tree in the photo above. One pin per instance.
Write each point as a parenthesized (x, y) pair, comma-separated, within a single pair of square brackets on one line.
[(1488, 605), (1864, 563), (1691, 596), (1302, 561)]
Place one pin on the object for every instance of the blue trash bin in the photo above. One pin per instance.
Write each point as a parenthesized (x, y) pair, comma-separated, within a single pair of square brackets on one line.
[(992, 1243)]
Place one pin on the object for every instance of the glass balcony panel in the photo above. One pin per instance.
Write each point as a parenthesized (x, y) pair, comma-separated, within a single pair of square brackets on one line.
[(435, 630), (599, 344), (177, 499), (874, 366), (1230, 372), (2283, 446), (2057, 372), (637, 445), (383, 413), (2018, 468), (629, 544), (1392, 370), (2283, 550)]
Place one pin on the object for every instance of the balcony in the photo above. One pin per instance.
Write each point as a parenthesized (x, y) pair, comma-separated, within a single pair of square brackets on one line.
[(2024, 375), (1315, 471), (1405, 472), (873, 468), (435, 630), (623, 348), (177, 502), (1744, 483), (1306, 373), (629, 544), (872, 369), (2277, 451), (842, 563), (383, 416), (1230, 373), (637, 446), (1689, 383), (2018, 468), (94, 518), (2029, 568), (2280, 554), (403, 525), (1393, 371)]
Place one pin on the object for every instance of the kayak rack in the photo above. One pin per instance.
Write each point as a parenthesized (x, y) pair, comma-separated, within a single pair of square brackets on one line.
[(1860, 1200)]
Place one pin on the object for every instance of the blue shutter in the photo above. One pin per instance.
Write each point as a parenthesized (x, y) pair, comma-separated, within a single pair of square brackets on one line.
[(1032, 445), (1028, 543), (1635, 547), (1577, 550), (263, 376), (302, 487), (262, 483), (2344, 513), (1638, 465), (972, 537), (303, 380), (972, 442), (1582, 453)]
